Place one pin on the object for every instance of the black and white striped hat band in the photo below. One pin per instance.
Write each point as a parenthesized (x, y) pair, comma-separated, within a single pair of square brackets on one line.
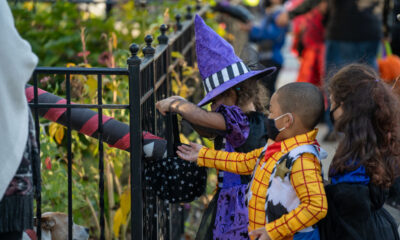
[(226, 74)]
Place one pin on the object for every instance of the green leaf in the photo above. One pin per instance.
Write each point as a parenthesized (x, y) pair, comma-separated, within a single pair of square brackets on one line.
[(177, 55)]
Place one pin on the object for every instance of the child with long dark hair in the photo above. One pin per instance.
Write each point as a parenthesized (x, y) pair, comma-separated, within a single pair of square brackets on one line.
[(366, 113)]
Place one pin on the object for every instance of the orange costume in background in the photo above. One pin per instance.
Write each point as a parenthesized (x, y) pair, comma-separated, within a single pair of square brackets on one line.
[(305, 178), (310, 35)]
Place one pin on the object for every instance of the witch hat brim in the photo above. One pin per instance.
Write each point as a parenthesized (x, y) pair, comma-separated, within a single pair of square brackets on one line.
[(233, 82)]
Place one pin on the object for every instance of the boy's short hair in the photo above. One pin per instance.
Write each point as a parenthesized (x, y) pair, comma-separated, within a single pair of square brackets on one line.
[(303, 99)]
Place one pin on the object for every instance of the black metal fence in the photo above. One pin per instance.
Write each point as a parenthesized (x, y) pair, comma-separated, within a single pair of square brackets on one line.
[(149, 80)]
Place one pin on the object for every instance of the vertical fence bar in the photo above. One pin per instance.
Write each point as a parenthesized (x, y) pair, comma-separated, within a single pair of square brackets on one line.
[(69, 149), (37, 127), (149, 52), (101, 154), (135, 143), (149, 124)]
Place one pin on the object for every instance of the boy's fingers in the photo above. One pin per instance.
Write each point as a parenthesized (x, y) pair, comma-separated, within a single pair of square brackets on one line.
[(185, 156), (195, 146), (186, 152), (183, 151), (186, 148), (181, 148), (181, 155)]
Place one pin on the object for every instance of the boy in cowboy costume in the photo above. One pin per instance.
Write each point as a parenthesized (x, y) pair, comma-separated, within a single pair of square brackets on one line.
[(286, 196), (236, 121)]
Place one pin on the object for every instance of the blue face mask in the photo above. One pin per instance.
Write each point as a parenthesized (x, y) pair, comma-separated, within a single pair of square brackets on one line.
[(272, 130)]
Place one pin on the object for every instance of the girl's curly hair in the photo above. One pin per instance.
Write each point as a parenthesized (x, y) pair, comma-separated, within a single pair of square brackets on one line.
[(254, 91), (370, 123), (251, 90)]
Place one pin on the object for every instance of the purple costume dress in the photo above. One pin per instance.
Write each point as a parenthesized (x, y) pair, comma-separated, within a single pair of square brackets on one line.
[(232, 220)]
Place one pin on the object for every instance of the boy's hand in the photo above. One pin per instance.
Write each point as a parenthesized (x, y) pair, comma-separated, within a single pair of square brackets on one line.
[(163, 106), (259, 234), (189, 153)]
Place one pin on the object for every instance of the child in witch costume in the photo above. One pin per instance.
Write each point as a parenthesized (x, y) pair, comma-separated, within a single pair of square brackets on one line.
[(286, 196), (236, 122)]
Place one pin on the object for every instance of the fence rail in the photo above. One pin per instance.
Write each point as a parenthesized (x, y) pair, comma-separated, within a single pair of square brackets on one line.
[(149, 81)]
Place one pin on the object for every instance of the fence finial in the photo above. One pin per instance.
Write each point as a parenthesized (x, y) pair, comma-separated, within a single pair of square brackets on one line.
[(198, 5), (163, 38), (134, 59), (178, 22), (189, 13), (148, 51)]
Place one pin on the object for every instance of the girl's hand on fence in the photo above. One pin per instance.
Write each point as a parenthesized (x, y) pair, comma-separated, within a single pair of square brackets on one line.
[(178, 97), (164, 105), (259, 234), (189, 153)]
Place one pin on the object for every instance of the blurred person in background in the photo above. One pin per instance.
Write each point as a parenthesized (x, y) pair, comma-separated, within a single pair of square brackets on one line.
[(353, 33), (310, 46), (270, 39)]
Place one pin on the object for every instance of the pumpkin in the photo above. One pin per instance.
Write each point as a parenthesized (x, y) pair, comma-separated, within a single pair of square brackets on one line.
[(389, 66)]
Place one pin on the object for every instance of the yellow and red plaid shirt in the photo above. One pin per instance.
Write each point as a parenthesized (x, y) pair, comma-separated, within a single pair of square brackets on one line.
[(305, 178)]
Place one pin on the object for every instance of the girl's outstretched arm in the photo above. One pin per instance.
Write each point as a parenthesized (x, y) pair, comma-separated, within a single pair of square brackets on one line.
[(192, 113)]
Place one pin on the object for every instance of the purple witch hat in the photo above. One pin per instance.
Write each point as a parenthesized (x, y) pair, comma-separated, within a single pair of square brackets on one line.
[(219, 66)]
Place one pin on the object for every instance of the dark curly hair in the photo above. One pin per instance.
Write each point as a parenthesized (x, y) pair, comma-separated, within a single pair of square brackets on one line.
[(370, 123), (254, 91), (251, 90)]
